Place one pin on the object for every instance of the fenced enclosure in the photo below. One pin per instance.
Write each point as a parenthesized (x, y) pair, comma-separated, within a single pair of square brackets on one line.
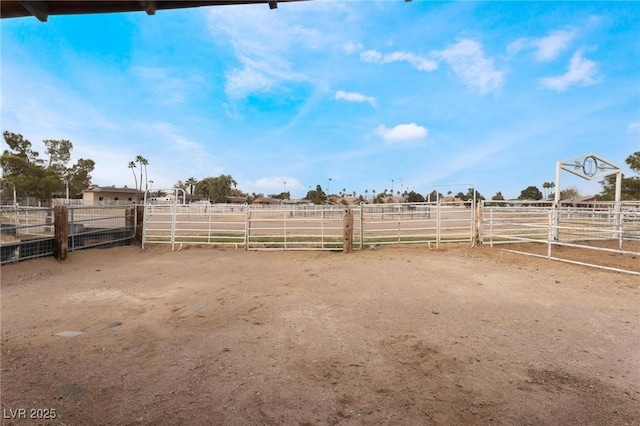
[(605, 235), (307, 227), (595, 234), (29, 232)]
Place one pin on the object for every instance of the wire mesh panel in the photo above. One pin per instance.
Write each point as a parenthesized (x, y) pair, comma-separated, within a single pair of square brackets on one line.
[(25, 233), (99, 226)]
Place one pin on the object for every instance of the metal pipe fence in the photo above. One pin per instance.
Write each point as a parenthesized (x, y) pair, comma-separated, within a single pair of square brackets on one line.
[(25, 233), (566, 233), (307, 227), (418, 223), (28, 232)]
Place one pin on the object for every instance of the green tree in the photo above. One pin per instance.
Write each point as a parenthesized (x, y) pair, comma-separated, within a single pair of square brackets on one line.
[(79, 176), (41, 178), (216, 189), (59, 152), (569, 194), (191, 183), (530, 193), (434, 195), (414, 197), (498, 196), (316, 196), (634, 161), (630, 186), (281, 196)]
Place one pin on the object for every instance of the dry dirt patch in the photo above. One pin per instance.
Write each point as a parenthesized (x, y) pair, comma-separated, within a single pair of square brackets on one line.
[(391, 336)]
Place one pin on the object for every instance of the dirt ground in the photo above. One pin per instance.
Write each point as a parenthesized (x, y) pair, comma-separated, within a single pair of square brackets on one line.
[(393, 336)]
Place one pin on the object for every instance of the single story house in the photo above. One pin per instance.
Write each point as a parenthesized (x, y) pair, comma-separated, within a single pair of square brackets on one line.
[(111, 195)]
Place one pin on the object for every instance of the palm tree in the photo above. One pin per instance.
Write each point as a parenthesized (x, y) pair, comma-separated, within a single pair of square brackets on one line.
[(143, 162), (191, 182), (366, 194), (132, 166)]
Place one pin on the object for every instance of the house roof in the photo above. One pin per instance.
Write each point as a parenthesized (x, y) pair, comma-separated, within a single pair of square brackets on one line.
[(113, 189), (43, 9)]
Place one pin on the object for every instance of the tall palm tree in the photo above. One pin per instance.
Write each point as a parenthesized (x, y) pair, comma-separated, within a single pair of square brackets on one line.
[(191, 182), (546, 186), (132, 165), (143, 162)]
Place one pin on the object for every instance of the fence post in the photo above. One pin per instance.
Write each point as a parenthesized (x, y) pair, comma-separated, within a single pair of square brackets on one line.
[(347, 228), (477, 238), (137, 238), (61, 233), (129, 221), (361, 225)]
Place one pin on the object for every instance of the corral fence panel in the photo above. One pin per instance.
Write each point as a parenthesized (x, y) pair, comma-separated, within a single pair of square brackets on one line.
[(296, 228), (208, 224), (417, 223), (28, 232), (567, 232), (307, 227)]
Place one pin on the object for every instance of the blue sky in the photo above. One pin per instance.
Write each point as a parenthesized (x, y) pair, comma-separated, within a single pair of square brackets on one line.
[(363, 93)]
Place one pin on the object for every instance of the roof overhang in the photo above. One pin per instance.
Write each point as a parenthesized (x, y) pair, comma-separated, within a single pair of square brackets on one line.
[(42, 9)]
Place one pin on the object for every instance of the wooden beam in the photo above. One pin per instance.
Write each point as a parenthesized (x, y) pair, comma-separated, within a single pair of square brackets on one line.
[(273, 5), (347, 228), (61, 233), (37, 8), (149, 6)]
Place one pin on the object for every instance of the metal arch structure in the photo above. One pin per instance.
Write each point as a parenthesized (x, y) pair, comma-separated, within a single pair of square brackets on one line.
[(42, 9), (589, 167)]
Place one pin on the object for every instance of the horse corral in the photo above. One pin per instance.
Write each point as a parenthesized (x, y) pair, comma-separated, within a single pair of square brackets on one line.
[(433, 319), (396, 335)]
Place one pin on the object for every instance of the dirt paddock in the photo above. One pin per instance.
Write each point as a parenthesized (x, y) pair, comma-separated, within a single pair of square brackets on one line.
[(393, 336)]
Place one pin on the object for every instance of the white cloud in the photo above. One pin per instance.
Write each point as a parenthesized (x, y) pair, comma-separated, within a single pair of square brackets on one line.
[(418, 62), (354, 97), (371, 56), (250, 79), (634, 127), (468, 61), (581, 72), (351, 47), (546, 48), (262, 42), (402, 132)]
